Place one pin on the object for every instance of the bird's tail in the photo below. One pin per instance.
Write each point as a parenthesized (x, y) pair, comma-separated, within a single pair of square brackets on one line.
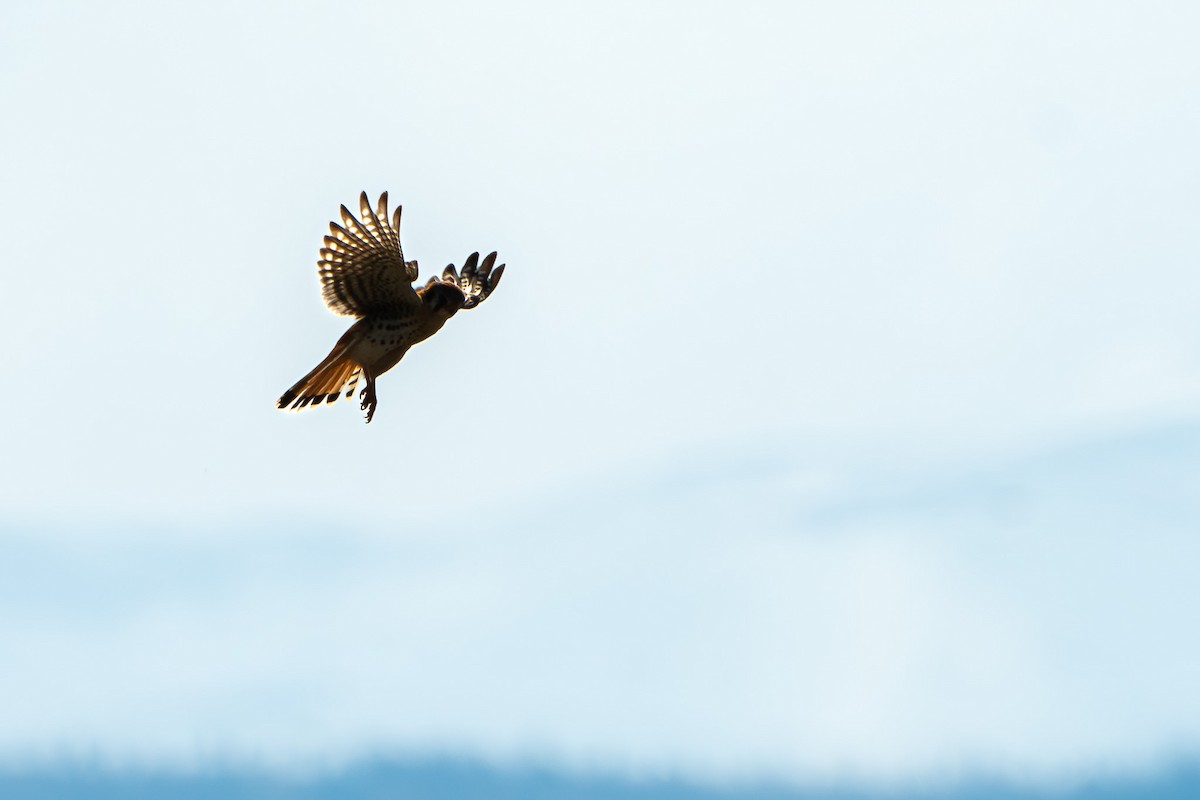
[(337, 375)]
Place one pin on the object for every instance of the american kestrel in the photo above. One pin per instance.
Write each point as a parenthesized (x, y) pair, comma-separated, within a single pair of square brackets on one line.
[(364, 274)]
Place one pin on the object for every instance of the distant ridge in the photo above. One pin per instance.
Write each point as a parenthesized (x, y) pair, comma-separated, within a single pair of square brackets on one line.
[(445, 779)]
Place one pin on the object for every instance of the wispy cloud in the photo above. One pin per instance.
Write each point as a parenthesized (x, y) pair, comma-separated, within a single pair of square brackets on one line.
[(1026, 618)]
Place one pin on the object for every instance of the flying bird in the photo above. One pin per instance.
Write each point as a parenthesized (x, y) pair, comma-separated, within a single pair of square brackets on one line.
[(364, 274)]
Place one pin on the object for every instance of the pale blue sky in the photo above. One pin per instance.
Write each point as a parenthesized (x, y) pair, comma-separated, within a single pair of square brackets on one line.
[(765, 459)]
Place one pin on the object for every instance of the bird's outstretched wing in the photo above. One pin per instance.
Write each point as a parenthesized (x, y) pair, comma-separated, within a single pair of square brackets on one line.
[(362, 267), (476, 281)]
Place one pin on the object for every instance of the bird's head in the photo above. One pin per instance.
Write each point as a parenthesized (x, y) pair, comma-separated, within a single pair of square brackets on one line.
[(442, 298)]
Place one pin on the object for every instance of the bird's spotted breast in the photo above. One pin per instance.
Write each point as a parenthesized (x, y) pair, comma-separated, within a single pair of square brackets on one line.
[(383, 337)]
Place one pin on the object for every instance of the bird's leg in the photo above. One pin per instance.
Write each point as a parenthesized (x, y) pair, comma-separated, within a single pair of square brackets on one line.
[(369, 400)]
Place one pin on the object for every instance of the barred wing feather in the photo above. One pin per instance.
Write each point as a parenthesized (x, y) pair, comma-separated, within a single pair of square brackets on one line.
[(362, 266)]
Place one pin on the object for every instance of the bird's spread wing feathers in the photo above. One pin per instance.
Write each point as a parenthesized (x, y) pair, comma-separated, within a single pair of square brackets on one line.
[(476, 281), (362, 267)]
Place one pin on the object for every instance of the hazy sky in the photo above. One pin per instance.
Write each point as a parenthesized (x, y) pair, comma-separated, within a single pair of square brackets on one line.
[(836, 415)]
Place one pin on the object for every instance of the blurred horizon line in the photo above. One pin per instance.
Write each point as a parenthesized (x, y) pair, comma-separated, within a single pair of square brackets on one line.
[(468, 777)]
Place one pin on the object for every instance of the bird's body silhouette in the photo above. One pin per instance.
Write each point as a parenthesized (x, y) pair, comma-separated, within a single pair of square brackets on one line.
[(364, 274)]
